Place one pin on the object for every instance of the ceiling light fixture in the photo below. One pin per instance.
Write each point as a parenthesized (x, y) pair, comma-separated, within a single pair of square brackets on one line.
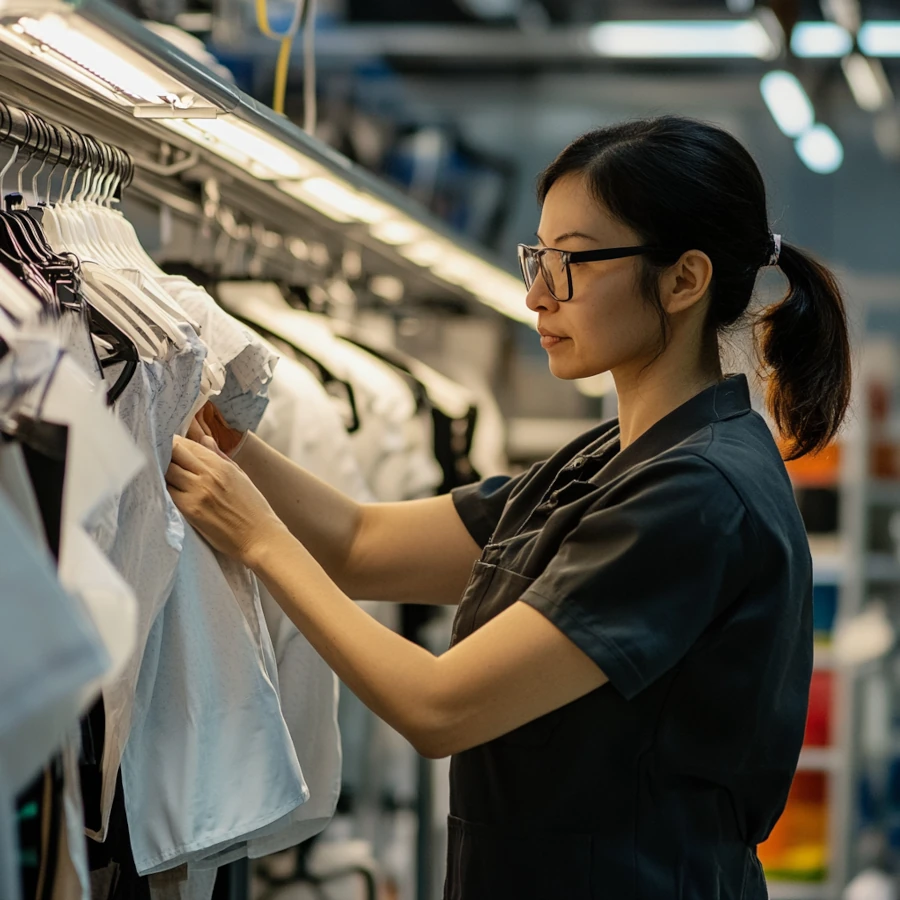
[(674, 39), (820, 40), (397, 231), (787, 102), (880, 39), (265, 157), (337, 200), (84, 54), (820, 149)]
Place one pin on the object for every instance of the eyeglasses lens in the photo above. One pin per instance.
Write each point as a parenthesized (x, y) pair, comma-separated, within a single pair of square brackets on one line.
[(554, 270)]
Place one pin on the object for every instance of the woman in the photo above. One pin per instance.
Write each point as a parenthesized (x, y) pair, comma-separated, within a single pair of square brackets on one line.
[(626, 689)]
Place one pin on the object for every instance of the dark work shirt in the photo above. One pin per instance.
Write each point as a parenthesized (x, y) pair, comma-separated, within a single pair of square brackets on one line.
[(681, 567)]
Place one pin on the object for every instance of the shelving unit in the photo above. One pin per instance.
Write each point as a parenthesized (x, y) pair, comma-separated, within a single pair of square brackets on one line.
[(857, 572)]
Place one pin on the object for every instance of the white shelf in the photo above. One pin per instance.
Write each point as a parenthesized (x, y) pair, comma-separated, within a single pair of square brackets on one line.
[(801, 890), (819, 759)]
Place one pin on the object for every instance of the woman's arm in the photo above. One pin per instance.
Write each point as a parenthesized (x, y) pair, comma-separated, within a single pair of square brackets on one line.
[(413, 552), (488, 684)]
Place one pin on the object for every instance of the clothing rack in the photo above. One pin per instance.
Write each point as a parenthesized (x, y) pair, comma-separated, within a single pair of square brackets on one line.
[(92, 61), (60, 145)]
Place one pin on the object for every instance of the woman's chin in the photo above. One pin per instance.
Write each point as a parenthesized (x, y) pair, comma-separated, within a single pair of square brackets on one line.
[(568, 370)]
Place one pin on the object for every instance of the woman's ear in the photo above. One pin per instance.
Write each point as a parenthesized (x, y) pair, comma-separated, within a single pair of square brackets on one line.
[(684, 284)]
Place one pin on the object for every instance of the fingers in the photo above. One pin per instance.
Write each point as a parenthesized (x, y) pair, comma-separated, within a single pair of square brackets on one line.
[(196, 431), (179, 478), (211, 444)]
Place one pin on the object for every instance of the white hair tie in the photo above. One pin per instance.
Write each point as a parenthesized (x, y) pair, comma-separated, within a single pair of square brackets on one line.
[(775, 253)]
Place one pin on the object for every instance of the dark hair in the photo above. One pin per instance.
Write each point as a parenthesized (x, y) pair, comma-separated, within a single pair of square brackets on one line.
[(683, 184)]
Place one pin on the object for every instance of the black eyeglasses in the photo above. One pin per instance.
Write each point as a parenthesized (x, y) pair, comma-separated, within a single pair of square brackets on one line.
[(554, 265)]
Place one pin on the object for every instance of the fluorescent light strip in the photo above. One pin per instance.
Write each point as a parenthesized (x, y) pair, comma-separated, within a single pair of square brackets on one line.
[(265, 157), (820, 150), (398, 230), (820, 40), (681, 39), (54, 33), (787, 102), (107, 71), (880, 39)]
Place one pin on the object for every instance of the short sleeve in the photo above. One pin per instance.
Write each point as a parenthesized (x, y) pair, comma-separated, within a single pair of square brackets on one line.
[(481, 505), (647, 569)]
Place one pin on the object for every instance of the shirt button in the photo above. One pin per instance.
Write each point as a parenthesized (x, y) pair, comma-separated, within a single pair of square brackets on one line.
[(578, 462), (552, 501)]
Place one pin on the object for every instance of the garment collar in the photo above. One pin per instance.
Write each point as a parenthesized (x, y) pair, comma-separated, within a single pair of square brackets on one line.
[(725, 400)]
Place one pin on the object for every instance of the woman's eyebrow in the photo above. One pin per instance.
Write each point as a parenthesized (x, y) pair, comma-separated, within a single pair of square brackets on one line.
[(568, 235)]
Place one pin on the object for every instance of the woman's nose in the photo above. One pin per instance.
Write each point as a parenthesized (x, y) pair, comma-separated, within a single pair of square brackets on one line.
[(539, 297)]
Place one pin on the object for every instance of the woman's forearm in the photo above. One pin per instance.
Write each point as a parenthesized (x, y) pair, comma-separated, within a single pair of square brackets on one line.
[(392, 676), (323, 519), (416, 551)]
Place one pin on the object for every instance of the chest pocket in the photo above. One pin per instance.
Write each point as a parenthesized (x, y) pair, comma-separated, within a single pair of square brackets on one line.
[(491, 590)]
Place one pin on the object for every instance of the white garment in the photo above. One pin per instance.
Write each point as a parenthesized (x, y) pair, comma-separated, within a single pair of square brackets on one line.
[(249, 361), (302, 423), (211, 759), (207, 699), (141, 531), (100, 459), (393, 445)]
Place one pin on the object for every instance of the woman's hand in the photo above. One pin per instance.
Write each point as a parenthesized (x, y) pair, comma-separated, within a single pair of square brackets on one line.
[(218, 499)]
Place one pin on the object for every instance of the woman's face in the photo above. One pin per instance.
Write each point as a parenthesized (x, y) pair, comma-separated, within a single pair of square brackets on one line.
[(607, 324)]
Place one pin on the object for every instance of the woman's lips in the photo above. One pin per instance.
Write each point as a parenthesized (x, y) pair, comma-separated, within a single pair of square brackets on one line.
[(551, 340)]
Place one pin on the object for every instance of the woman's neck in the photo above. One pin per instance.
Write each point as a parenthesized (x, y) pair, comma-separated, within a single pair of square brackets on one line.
[(649, 394)]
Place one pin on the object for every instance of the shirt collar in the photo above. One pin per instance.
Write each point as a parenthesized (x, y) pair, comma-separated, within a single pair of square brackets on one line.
[(725, 400)]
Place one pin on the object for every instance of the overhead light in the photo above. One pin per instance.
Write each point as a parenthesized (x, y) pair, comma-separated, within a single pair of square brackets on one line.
[(337, 200), (787, 102), (424, 253), (397, 231), (868, 82), (820, 149), (83, 54), (266, 158), (461, 268), (820, 40), (674, 39), (506, 294), (880, 38)]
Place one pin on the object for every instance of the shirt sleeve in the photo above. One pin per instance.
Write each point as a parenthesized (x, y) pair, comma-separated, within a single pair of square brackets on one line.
[(480, 505), (647, 569)]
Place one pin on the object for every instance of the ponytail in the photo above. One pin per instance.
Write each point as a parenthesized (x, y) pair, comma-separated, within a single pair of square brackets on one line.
[(805, 353)]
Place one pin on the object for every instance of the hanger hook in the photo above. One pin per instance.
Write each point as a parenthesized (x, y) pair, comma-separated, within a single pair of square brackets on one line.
[(70, 162), (116, 176), (30, 133), (57, 144), (108, 175), (93, 162), (78, 162), (45, 148)]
